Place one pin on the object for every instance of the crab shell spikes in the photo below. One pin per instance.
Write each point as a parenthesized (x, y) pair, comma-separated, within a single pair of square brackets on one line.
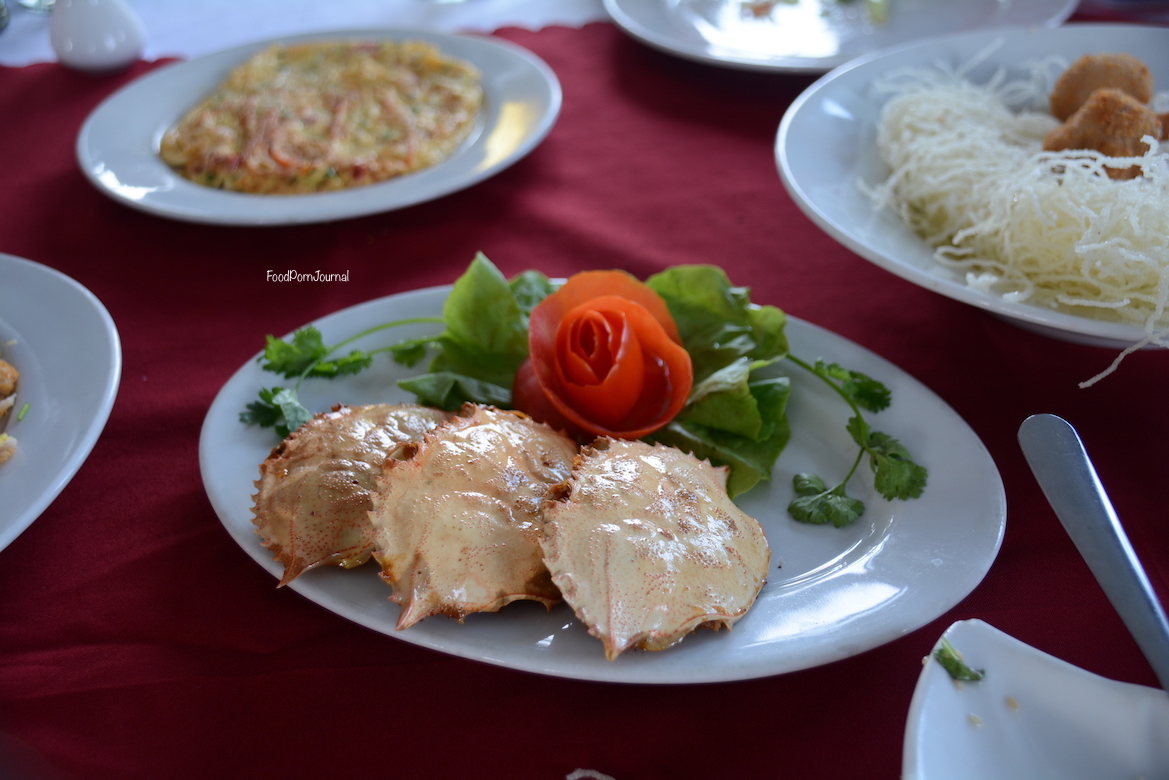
[(459, 518), (646, 546), (312, 500)]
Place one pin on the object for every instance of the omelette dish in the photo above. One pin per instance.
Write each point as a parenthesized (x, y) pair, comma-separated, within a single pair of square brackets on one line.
[(325, 116), (8, 378)]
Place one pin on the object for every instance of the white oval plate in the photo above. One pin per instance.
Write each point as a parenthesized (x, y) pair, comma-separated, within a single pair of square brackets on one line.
[(1032, 716), (117, 147), (825, 147), (831, 593), (811, 36), (66, 347)]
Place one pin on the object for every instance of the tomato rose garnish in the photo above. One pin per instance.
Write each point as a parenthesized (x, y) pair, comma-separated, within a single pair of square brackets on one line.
[(605, 358)]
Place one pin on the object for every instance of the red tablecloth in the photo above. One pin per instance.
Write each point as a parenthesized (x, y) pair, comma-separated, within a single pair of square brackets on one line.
[(137, 640)]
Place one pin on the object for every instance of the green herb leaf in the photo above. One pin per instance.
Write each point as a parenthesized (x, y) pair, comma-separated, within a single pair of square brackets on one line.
[(864, 391), (529, 288), (447, 390), (808, 484), (293, 358), (951, 660), (736, 416), (750, 458), (895, 473), (486, 334), (723, 400), (353, 363), (410, 352), (277, 408), (824, 506), (717, 321)]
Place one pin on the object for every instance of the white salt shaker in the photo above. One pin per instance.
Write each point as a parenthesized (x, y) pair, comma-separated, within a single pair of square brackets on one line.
[(96, 36)]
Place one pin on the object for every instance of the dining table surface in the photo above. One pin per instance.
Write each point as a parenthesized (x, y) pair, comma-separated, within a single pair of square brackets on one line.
[(139, 641)]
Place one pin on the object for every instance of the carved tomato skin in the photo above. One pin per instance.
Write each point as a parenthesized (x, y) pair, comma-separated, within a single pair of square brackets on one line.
[(605, 359)]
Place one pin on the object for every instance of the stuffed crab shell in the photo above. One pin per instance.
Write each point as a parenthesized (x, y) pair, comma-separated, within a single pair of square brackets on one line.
[(458, 520), (646, 546), (313, 496)]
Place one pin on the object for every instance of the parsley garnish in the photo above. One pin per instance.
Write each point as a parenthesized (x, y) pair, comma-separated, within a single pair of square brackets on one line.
[(895, 475), (951, 660), (306, 355)]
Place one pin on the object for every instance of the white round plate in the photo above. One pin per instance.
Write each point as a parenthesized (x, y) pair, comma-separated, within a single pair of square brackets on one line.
[(831, 592), (826, 146), (117, 147), (811, 36), (65, 345), (1031, 716)]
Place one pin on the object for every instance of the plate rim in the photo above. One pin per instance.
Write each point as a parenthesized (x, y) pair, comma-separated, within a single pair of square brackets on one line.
[(222, 413), (618, 11), (105, 338), (226, 207), (1056, 324)]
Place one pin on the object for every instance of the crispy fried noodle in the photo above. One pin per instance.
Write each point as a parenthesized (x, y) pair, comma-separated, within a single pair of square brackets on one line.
[(1049, 228)]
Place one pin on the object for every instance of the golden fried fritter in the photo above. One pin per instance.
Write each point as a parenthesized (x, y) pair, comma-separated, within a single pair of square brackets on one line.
[(8, 377), (1111, 122), (1099, 71)]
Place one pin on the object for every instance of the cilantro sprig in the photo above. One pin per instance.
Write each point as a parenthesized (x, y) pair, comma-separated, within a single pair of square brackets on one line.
[(483, 343), (895, 474), (306, 355)]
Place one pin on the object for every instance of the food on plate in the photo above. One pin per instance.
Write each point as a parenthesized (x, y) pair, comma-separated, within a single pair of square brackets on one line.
[(327, 115), (951, 660), (458, 517), (9, 377), (1050, 228), (489, 506), (876, 11), (646, 546), (605, 359), (313, 496), (1102, 100), (1099, 71), (735, 413), (1113, 123)]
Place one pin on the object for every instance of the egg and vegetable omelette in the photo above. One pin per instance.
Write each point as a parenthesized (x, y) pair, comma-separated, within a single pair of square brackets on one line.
[(328, 115)]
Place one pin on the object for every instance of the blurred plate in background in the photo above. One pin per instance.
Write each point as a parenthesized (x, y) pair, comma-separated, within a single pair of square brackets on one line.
[(64, 343), (812, 36)]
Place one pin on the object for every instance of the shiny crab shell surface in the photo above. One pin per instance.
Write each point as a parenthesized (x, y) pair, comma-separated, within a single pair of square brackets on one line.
[(646, 546), (312, 502), (458, 520)]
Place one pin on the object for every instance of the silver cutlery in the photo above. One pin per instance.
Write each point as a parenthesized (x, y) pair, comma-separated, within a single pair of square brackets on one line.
[(1065, 472)]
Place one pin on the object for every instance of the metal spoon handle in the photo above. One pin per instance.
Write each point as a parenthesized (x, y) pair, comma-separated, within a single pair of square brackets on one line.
[(1062, 467)]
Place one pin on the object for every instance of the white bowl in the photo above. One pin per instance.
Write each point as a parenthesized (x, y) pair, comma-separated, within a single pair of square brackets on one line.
[(826, 146), (1032, 716)]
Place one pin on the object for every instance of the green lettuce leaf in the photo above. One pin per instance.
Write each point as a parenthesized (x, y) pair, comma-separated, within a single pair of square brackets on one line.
[(716, 320), (485, 340)]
